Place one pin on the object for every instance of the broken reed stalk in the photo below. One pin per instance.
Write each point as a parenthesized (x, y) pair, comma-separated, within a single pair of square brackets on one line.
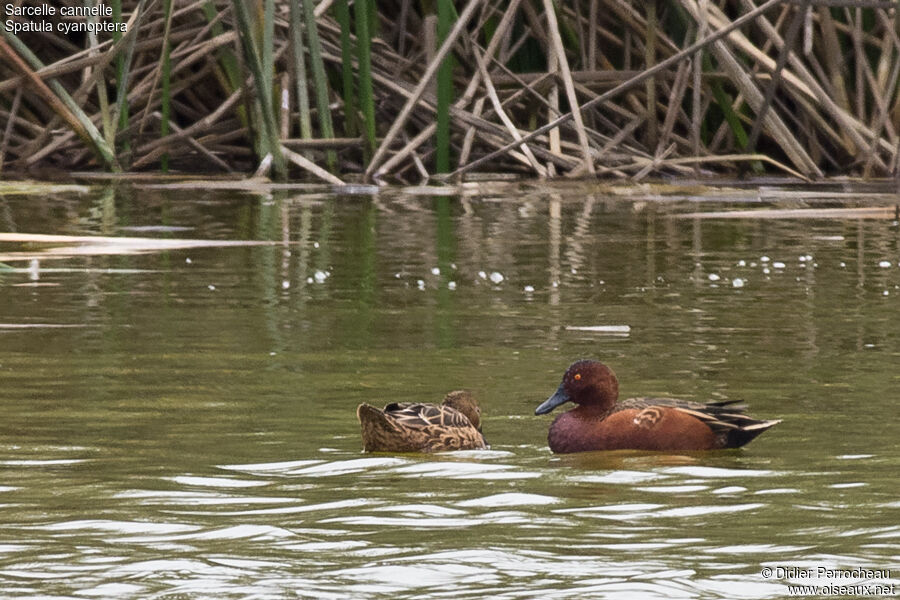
[(58, 98), (7, 131), (166, 82), (634, 81), (650, 84), (634, 106), (408, 107), (510, 126), (565, 72)]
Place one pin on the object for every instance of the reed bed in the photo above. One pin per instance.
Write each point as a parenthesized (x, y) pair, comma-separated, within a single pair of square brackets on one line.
[(406, 91)]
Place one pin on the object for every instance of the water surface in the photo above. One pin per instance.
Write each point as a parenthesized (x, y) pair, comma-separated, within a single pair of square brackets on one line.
[(181, 423)]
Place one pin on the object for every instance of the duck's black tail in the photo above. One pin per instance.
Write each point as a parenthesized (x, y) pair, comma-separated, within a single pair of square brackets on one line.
[(746, 431)]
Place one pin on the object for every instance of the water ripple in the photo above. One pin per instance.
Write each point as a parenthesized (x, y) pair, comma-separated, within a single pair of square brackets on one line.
[(510, 499), (345, 467), (700, 511), (405, 522), (218, 482), (119, 527), (460, 470), (714, 472)]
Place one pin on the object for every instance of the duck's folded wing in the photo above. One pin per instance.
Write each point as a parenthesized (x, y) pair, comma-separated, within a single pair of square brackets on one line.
[(417, 415), (721, 417), (646, 402), (649, 417)]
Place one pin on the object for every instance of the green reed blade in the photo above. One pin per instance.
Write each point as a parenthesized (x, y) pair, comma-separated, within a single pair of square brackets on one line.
[(123, 68), (300, 71), (446, 17), (268, 44), (319, 79), (268, 141), (364, 57), (724, 102), (342, 16), (227, 60), (227, 71)]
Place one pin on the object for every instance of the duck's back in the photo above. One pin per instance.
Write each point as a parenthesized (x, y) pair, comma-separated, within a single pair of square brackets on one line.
[(420, 415), (417, 427)]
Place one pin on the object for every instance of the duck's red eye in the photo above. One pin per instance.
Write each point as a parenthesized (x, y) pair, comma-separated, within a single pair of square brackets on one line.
[(577, 376)]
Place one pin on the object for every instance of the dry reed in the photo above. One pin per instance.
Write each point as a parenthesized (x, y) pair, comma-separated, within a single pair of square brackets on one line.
[(616, 88)]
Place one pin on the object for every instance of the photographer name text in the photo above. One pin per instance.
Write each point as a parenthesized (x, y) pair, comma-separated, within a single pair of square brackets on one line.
[(824, 573)]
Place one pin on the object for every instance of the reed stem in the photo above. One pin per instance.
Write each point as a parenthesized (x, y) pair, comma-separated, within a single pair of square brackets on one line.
[(364, 57), (445, 18), (342, 15), (320, 81)]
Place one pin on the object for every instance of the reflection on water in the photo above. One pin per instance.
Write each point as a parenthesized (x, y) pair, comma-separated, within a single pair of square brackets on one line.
[(182, 422)]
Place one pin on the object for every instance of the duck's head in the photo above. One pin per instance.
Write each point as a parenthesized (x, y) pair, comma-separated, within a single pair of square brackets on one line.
[(464, 402), (586, 383)]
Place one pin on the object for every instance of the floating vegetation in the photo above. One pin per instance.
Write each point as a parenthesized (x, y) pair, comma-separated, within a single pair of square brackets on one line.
[(64, 246), (41, 325), (401, 91), (31, 188), (613, 329), (872, 212)]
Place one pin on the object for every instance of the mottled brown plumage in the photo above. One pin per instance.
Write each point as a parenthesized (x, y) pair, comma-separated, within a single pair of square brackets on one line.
[(418, 427)]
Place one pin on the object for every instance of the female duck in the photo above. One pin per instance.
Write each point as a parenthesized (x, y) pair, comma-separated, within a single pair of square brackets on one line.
[(598, 422), (415, 427)]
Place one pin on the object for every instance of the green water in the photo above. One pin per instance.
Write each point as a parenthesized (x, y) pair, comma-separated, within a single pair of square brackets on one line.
[(181, 423)]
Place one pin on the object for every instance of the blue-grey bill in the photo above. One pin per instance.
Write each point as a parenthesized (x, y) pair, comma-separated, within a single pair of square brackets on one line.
[(558, 397)]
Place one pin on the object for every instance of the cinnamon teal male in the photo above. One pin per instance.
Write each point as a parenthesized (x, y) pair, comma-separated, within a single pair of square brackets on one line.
[(416, 427), (599, 422)]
